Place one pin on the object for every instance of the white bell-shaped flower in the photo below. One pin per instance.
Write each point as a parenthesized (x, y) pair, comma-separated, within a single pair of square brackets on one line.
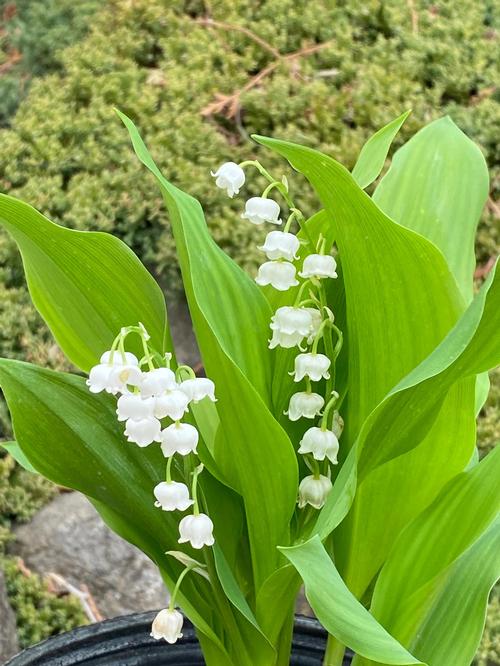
[(102, 377), (314, 366), (179, 438), (317, 320), (172, 496), (290, 326), (143, 431), (259, 210), (198, 530), (173, 404), (304, 405), (230, 177), (132, 406), (99, 379), (281, 245), (319, 266), (321, 443), (157, 381), (122, 376), (198, 388), (279, 274), (167, 625), (314, 491)]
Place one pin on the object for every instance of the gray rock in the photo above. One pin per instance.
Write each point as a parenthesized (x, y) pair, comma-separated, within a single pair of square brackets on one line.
[(8, 633), (181, 328), (68, 538), (302, 606)]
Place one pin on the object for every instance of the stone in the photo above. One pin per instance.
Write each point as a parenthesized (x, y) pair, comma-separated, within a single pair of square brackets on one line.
[(302, 606), (183, 337), (68, 538), (8, 632)]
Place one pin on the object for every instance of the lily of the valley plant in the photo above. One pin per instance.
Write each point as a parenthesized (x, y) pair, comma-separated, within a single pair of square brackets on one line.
[(330, 442)]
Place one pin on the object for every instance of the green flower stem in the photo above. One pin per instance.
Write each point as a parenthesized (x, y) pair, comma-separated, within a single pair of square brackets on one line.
[(171, 605), (168, 476), (334, 654), (329, 350), (330, 404), (194, 489), (300, 293), (290, 219), (184, 368), (271, 186), (325, 324)]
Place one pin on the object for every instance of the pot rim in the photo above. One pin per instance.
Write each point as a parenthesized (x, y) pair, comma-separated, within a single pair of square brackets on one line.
[(139, 625)]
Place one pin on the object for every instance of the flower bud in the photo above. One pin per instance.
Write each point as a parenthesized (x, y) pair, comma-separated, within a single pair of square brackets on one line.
[(304, 405), (157, 381), (279, 274), (337, 424), (173, 404), (314, 366), (319, 266), (198, 530), (316, 323), (290, 326), (132, 406), (199, 388), (281, 245), (168, 625), (143, 431), (321, 443), (230, 177), (172, 496), (314, 491), (179, 438), (259, 210)]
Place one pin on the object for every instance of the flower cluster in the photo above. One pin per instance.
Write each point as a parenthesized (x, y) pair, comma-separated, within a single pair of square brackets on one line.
[(149, 394), (306, 324)]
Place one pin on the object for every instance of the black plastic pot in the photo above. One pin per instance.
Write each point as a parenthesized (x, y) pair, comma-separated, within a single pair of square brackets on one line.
[(125, 641)]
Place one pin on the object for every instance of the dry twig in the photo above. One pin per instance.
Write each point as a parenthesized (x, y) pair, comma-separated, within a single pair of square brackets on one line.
[(58, 584), (229, 105)]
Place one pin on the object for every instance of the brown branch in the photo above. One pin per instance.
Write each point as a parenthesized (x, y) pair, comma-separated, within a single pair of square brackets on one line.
[(210, 23), (229, 105), (414, 17), (13, 59), (58, 583), (482, 271)]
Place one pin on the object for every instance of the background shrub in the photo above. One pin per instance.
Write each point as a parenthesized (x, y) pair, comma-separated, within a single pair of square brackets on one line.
[(32, 35)]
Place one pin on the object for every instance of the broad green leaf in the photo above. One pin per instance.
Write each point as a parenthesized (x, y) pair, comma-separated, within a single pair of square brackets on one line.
[(86, 285), (418, 595), (338, 610), (433, 404), (72, 437), (236, 597), (16, 452), (373, 154), (394, 494), (471, 347), (231, 320), (437, 185)]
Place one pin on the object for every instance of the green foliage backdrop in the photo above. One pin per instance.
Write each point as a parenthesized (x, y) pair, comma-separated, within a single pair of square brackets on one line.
[(160, 62)]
